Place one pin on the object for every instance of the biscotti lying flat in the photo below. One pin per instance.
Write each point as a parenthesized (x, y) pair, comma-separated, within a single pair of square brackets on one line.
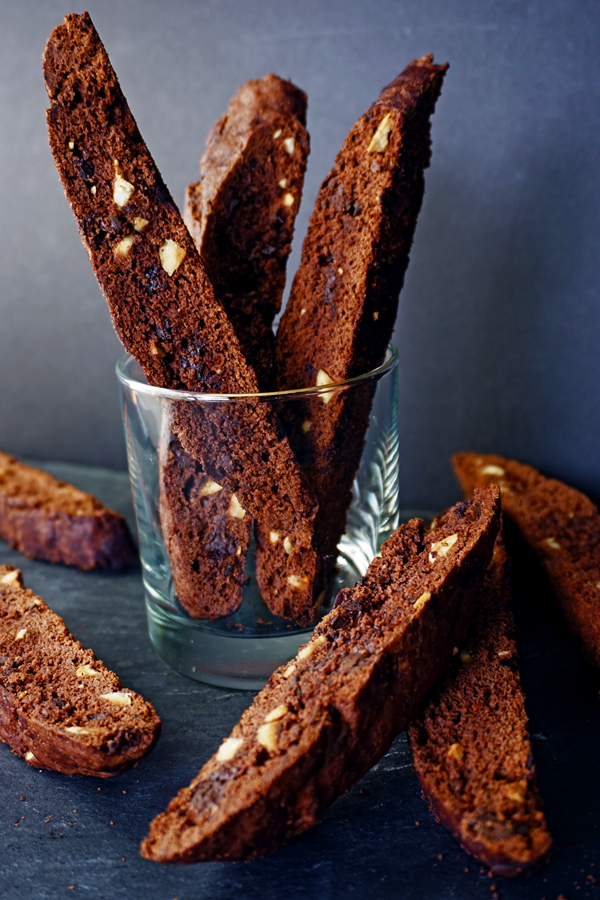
[(45, 518), (241, 216), (163, 305), (560, 528), (470, 745), (326, 717), (340, 316), (60, 708)]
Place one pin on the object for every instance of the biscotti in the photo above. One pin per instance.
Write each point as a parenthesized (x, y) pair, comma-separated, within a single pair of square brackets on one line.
[(470, 745), (241, 216), (558, 525), (242, 212), (163, 305), (60, 708), (206, 534), (340, 316), (45, 518), (326, 717)]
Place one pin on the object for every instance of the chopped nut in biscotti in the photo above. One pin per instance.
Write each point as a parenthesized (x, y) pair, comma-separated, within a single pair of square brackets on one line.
[(85, 671), (124, 246), (123, 190), (322, 379), (442, 548), (267, 735), (381, 138), (208, 488), (236, 510), (139, 223), (119, 698), (493, 470), (171, 256), (278, 713), (456, 752), (229, 748), (288, 200)]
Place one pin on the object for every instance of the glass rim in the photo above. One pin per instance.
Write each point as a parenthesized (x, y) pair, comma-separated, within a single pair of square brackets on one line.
[(142, 387)]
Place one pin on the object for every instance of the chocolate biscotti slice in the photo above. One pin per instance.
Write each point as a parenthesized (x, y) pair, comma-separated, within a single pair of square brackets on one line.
[(163, 305), (559, 527), (241, 216), (470, 745), (60, 708), (326, 717), (242, 212), (340, 316), (45, 518)]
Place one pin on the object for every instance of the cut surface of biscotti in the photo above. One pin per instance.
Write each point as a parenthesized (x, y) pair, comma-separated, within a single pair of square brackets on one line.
[(560, 528), (60, 708), (471, 747), (161, 300), (48, 519), (326, 717), (242, 212), (340, 316), (241, 216)]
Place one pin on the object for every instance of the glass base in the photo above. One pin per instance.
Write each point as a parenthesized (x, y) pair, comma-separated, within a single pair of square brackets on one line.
[(242, 650)]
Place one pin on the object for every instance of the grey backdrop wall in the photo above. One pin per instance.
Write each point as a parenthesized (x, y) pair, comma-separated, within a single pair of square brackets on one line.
[(499, 323)]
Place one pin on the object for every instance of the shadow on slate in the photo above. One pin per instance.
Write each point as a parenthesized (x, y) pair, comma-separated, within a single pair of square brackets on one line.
[(67, 833)]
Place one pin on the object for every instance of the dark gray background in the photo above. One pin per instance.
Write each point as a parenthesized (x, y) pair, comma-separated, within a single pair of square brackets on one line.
[(499, 323)]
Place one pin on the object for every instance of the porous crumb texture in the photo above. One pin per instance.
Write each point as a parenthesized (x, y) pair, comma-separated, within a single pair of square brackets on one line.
[(340, 316), (242, 212), (60, 708), (161, 300), (241, 216), (326, 717), (206, 534), (48, 519), (470, 745), (558, 526)]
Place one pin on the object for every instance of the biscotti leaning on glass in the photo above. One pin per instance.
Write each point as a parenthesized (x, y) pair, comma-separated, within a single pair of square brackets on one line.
[(328, 715), (61, 708), (163, 305)]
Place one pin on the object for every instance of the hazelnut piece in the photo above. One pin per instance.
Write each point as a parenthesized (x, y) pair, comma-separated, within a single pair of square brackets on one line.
[(122, 189), (381, 138), (171, 256)]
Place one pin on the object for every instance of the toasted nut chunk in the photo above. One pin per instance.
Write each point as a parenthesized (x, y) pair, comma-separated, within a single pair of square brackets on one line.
[(20, 634), (236, 510), (229, 748), (171, 256), (340, 271), (287, 545), (10, 577), (493, 470), (456, 752), (71, 145), (503, 653), (454, 651), (86, 671), (465, 657), (93, 190), (375, 316), (76, 729), (274, 537), (289, 145), (441, 548), (29, 756), (277, 134), (517, 791), (124, 246), (289, 671), (302, 312), (119, 698), (283, 183), (310, 648), (422, 600), (267, 736), (238, 552), (209, 487), (381, 138), (552, 543), (122, 189), (277, 713), (297, 581), (322, 379), (139, 223), (21, 694), (306, 426), (288, 200), (155, 350)]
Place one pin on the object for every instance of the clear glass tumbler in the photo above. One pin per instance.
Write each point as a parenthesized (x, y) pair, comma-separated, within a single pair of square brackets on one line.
[(242, 649)]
